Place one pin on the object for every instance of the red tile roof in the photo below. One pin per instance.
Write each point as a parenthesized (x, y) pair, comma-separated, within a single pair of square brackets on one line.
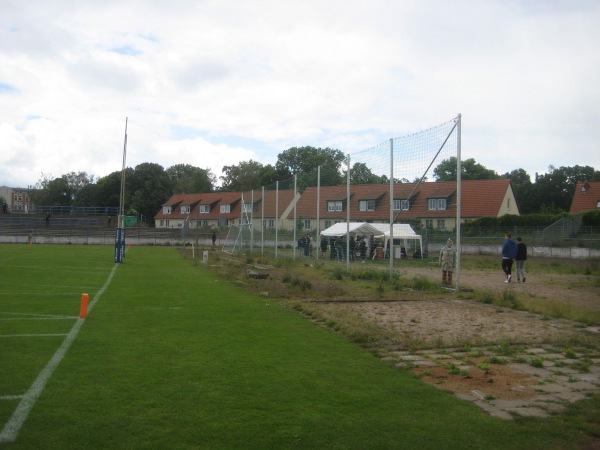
[(586, 197)]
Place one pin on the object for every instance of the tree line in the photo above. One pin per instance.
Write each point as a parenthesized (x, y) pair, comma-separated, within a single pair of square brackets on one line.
[(149, 185)]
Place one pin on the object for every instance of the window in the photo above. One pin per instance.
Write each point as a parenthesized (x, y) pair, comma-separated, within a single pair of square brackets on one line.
[(334, 206), (167, 223), (401, 205), (307, 224), (166, 210), (225, 209), (429, 224), (437, 204), (508, 204), (441, 224), (204, 209), (271, 223), (366, 205), (185, 209), (327, 223), (247, 208), (598, 204)]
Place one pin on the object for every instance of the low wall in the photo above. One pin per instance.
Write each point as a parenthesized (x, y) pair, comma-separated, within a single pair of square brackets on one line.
[(433, 249)]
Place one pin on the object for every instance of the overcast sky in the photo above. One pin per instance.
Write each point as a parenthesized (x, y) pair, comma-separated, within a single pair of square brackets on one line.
[(212, 83)]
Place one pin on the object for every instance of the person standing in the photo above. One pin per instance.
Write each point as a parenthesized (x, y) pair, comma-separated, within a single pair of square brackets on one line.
[(509, 253), (214, 239), (448, 263), (520, 259)]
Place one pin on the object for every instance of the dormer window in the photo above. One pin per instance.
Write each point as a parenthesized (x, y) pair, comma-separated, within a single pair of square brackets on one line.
[(204, 209), (334, 206), (225, 209), (185, 209), (247, 208), (166, 210), (366, 205), (436, 204), (401, 205)]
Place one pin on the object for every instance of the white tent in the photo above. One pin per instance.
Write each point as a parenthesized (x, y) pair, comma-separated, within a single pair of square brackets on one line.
[(401, 231), (362, 228)]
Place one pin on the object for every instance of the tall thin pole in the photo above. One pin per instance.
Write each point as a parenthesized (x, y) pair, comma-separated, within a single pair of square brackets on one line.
[(120, 220), (391, 240), (276, 216), (295, 224), (348, 215), (318, 237), (458, 199), (262, 221)]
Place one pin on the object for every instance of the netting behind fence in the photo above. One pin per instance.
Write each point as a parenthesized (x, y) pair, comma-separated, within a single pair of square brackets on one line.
[(391, 183)]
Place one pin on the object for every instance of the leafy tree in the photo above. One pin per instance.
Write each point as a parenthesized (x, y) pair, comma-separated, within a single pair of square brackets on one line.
[(150, 187), (361, 174), (247, 175), (522, 185), (554, 190), (471, 170), (189, 179), (303, 162)]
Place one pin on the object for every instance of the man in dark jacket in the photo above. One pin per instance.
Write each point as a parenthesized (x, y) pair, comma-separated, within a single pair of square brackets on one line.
[(509, 253)]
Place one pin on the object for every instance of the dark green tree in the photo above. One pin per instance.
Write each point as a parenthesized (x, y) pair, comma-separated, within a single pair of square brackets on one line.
[(361, 174), (150, 186), (188, 179), (303, 162), (470, 170), (522, 186), (553, 191), (247, 175)]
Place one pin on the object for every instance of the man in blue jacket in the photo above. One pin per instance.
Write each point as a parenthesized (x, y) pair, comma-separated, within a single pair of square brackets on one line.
[(509, 253)]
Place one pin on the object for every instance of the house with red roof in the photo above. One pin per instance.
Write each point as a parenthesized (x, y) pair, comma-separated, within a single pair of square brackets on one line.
[(433, 203), (586, 197), (223, 209)]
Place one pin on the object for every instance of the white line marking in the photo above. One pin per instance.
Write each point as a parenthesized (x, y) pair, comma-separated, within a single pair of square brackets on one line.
[(11, 397), (31, 335), (19, 416)]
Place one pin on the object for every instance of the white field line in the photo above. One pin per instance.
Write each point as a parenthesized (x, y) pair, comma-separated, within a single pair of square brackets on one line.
[(31, 335), (11, 429), (11, 397)]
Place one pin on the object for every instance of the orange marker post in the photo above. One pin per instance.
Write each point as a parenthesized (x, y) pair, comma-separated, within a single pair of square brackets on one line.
[(84, 306)]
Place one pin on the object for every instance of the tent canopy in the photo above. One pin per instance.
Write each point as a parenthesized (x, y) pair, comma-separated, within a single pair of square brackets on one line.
[(401, 230), (340, 229)]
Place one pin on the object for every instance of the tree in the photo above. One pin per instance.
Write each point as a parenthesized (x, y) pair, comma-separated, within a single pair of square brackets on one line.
[(247, 175), (303, 162), (189, 179), (361, 174), (522, 185), (554, 190), (470, 170), (150, 187)]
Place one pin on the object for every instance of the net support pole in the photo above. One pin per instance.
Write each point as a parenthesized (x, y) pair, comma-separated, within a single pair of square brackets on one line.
[(318, 237), (391, 240), (252, 222), (295, 219), (262, 221), (458, 199), (276, 216), (348, 215)]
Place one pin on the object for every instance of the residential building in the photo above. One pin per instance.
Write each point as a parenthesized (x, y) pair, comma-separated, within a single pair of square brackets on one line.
[(223, 209), (18, 200), (433, 203), (586, 197)]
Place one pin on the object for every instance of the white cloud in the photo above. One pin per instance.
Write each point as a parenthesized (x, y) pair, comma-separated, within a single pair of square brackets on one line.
[(251, 79)]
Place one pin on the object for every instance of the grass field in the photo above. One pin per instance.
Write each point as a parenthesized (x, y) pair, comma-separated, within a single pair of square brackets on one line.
[(172, 356)]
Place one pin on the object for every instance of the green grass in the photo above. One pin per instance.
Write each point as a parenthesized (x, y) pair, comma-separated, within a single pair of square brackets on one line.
[(173, 356)]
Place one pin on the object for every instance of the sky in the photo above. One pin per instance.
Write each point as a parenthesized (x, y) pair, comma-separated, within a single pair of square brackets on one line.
[(215, 82)]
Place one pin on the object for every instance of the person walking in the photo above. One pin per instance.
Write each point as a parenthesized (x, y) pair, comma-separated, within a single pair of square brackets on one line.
[(520, 259), (448, 263), (509, 253)]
